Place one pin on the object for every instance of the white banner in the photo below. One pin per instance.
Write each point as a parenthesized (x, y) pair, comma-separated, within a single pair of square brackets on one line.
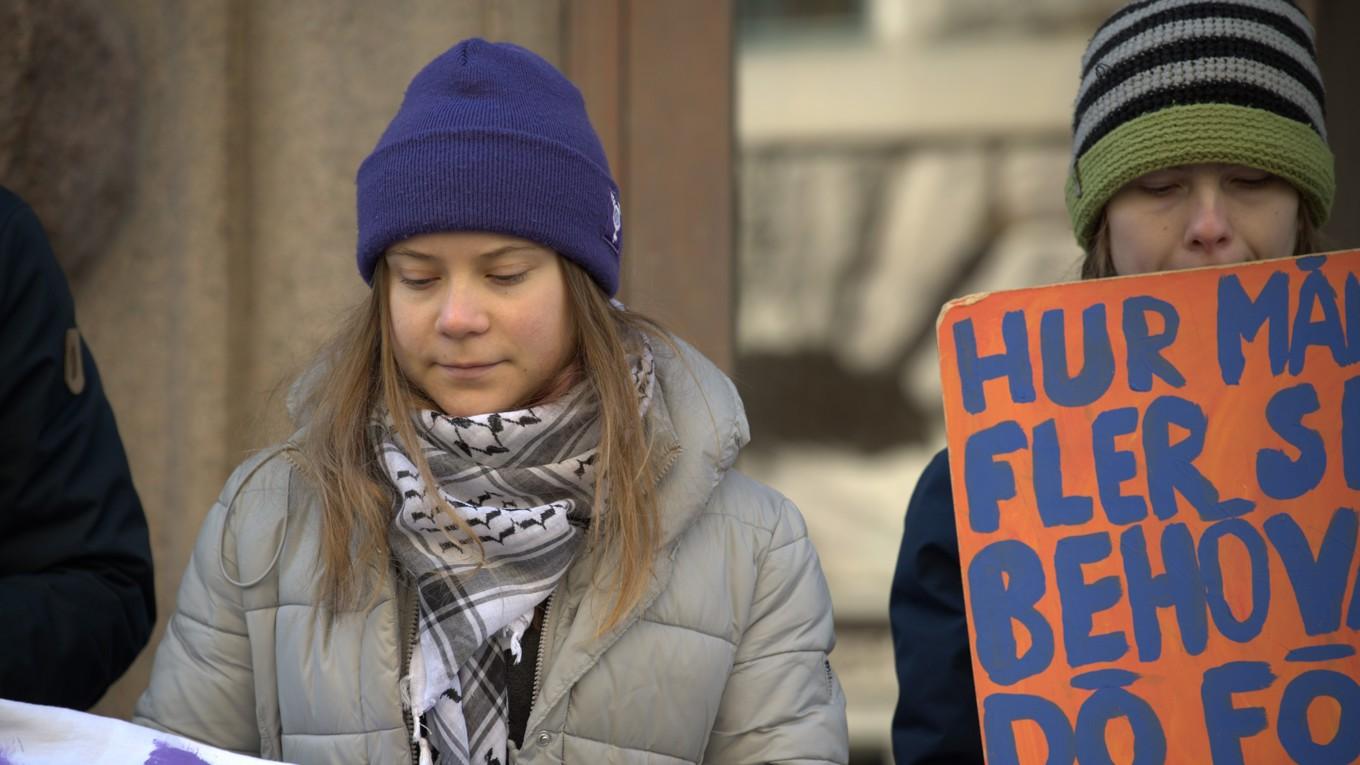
[(38, 735)]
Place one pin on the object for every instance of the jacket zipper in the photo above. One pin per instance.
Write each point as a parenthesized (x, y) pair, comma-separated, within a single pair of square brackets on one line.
[(407, 716), (542, 646)]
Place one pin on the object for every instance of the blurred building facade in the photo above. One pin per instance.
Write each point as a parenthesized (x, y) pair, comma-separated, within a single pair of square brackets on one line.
[(893, 155)]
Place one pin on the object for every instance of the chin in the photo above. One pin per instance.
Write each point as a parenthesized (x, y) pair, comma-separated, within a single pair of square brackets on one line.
[(471, 407), (465, 409)]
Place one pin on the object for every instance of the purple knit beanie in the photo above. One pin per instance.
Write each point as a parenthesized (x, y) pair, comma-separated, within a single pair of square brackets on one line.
[(490, 137)]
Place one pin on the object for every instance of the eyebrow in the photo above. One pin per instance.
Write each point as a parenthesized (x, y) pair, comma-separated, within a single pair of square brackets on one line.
[(488, 255)]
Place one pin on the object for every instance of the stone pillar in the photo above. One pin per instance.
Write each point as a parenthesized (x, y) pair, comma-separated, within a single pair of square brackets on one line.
[(154, 305)]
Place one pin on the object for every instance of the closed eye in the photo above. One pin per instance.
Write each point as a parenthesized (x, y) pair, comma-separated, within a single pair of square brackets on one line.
[(506, 280), (1157, 190), (416, 283)]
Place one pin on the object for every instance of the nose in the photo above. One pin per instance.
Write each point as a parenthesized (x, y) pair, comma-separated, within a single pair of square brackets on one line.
[(1209, 232), (462, 313)]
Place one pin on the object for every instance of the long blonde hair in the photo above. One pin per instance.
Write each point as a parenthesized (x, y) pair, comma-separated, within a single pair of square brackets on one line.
[(338, 451)]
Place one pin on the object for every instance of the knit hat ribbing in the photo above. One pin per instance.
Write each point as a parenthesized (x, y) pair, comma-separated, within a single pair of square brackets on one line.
[(490, 137), (1175, 82)]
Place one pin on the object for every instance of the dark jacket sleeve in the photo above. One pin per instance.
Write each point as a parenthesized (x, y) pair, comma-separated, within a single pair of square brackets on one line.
[(936, 720), (76, 590)]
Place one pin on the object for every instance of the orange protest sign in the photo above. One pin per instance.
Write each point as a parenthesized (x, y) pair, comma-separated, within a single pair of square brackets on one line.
[(1156, 484)]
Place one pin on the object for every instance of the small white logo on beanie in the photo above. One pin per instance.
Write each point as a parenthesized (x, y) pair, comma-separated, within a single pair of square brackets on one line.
[(618, 217)]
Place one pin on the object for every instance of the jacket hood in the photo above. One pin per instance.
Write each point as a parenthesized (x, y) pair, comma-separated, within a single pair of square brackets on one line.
[(699, 427)]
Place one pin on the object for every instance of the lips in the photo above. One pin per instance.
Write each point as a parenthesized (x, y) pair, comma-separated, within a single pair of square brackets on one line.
[(464, 371)]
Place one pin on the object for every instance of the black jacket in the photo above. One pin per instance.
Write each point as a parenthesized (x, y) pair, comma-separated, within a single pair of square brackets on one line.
[(76, 595), (936, 721)]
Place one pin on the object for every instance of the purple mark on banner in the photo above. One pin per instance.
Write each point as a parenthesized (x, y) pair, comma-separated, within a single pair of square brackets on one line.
[(4, 760), (165, 754)]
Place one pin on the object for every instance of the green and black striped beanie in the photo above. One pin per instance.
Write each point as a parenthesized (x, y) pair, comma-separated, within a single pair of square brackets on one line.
[(1176, 82)]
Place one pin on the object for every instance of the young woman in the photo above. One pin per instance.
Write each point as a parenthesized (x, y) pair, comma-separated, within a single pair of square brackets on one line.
[(507, 528), (1199, 140)]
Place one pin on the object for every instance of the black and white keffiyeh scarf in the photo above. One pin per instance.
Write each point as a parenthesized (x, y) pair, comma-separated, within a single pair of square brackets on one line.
[(524, 482)]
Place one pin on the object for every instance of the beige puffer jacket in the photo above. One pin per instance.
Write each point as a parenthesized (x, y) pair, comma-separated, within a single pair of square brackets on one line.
[(724, 660)]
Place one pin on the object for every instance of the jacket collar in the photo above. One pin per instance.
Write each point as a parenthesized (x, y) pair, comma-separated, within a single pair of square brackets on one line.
[(698, 427)]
